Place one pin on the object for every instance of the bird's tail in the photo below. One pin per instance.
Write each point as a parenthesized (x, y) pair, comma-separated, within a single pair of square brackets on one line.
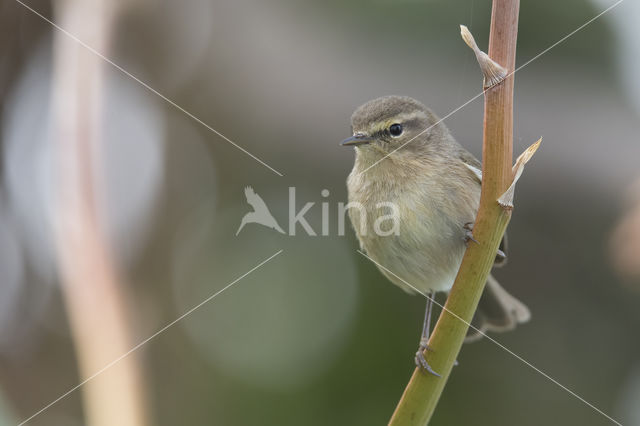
[(497, 311)]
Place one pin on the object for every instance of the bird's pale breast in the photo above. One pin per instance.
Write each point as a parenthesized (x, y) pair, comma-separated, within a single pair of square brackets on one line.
[(428, 248)]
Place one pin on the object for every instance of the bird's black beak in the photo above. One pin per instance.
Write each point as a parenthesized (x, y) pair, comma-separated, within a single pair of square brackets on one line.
[(356, 140)]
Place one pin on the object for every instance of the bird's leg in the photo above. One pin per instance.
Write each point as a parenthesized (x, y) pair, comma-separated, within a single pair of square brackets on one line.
[(468, 233), (421, 362)]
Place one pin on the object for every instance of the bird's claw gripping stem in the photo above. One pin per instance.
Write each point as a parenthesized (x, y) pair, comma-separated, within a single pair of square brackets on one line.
[(468, 233), (421, 362)]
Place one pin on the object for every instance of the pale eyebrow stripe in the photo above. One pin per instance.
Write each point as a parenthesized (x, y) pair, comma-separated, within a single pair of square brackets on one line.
[(404, 118), (408, 116)]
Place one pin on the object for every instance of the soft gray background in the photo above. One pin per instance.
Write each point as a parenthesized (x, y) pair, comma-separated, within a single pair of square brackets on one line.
[(318, 336)]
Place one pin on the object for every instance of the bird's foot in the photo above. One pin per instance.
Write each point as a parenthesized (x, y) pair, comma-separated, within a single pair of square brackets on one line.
[(421, 362), (468, 233), (500, 257)]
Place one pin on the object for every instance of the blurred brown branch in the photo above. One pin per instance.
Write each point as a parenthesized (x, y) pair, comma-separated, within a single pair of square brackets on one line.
[(625, 239), (96, 301)]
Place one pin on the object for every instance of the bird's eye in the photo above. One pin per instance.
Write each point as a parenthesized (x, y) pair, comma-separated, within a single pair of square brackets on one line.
[(395, 129)]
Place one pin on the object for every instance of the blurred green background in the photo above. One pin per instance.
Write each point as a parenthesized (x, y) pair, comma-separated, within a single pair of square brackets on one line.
[(317, 336)]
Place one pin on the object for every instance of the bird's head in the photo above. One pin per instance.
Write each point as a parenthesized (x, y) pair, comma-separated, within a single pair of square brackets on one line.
[(385, 124)]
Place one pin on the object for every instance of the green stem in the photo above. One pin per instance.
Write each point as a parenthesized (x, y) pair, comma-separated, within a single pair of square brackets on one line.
[(421, 395)]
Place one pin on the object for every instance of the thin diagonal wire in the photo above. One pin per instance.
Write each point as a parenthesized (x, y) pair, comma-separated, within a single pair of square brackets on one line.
[(145, 341), (563, 39), (548, 377), (146, 86)]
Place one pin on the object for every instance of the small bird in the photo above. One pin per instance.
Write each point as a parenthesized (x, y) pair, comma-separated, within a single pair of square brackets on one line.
[(406, 156), (260, 213)]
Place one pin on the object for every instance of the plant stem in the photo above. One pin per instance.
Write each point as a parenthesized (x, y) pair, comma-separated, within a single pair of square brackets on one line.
[(95, 298), (421, 395)]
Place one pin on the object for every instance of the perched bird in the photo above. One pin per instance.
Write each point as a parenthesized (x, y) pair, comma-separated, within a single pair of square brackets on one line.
[(260, 213), (407, 157)]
